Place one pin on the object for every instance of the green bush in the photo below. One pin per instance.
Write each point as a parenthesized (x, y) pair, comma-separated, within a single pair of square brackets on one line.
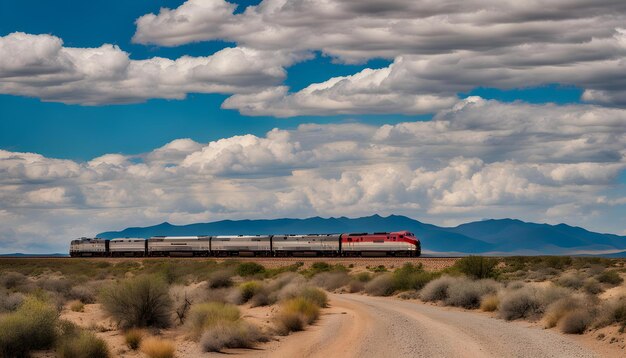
[(477, 266), (32, 326), (143, 301), (610, 277), (249, 269), (411, 277), (83, 345)]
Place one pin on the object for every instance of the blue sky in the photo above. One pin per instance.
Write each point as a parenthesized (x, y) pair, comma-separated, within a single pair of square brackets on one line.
[(200, 112), (83, 132)]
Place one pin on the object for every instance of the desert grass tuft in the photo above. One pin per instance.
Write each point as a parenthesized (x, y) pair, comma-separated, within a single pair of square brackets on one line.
[(205, 315), (83, 345), (157, 348), (133, 338)]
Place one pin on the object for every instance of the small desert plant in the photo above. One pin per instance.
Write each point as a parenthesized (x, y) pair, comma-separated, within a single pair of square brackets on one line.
[(249, 269), (157, 348), (331, 280), (437, 289), (363, 276), (610, 277), (380, 286), (10, 301), (521, 303), (576, 321), (315, 295), (296, 313), (11, 280), (356, 286), (477, 266), (613, 311), (559, 308), (468, 294), (489, 303), (592, 286), (409, 295), (139, 302), (77, 306), (249, 289), (83, 293), (205, 315), (31, 326), (570, 280), (133, 338), (226, 334), (220, 279), (83, 345), (411, 277), (181, 301)]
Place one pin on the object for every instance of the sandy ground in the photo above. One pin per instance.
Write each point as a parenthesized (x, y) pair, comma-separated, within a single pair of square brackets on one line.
[(363, 326)]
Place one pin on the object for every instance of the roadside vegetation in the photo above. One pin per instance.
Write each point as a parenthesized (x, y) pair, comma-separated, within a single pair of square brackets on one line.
[(208, 302)]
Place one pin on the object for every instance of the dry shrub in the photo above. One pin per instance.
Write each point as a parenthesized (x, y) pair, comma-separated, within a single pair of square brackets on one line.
[(558, 309), (58, 285), (356, 286), (437, 289), (489, 303), (83, 345), (181, 301), (468, 294), (133, 338), (576, 321), (315, 295), (610, 277), (10, 301), (592, 286), (226, 334), (613, 311), (570, 280), (529, 301), (515, 285), (11, 280), (249, 289), (477, 266), (142, 301), (84, 294), (409, 295), (331, 280), (31, 326), (77, 306), (220, 279), (205, 315), (381, 285), (521, 303), (157, 348), (295, 314)]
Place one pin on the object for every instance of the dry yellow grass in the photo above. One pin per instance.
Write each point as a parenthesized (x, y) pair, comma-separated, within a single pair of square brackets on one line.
[(157, 348), (490, 303)]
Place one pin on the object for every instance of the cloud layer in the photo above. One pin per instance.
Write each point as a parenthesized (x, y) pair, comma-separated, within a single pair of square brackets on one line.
[(40, 66), (478, 159), (438, 49)]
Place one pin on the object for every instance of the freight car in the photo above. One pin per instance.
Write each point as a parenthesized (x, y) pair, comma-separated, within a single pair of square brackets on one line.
[(401, 243)]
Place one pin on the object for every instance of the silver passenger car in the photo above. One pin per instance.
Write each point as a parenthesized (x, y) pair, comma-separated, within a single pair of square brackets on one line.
[(306, 245), (89, 247), (241, 245), (179, 246), (128, 247)]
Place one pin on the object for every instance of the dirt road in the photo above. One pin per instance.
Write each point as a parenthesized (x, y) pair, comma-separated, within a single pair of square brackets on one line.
[(363, 326)]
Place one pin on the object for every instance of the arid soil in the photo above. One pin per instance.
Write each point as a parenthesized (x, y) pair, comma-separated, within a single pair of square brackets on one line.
[(364, 326)]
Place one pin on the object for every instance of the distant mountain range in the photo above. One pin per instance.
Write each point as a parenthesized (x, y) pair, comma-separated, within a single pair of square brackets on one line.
[(488, 237)]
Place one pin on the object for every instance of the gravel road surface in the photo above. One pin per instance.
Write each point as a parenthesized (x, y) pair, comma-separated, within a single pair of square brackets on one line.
[(363, 326)]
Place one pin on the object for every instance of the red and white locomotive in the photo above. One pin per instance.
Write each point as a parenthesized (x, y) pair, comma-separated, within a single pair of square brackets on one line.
[(400, 243)]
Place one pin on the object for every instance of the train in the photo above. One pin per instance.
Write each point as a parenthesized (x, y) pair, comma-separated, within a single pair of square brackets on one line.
[(400, 243)]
